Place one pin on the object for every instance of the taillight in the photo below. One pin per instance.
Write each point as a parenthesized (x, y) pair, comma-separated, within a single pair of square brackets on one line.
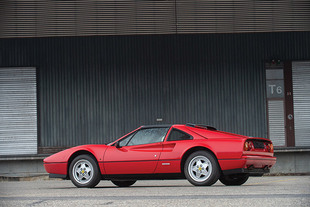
[(269, 147), (248, 146)]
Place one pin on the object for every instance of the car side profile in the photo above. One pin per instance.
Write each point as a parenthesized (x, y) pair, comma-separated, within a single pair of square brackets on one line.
[(198, 153)]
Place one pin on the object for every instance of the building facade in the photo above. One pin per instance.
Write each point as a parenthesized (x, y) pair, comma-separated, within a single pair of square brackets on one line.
[(87, 72)]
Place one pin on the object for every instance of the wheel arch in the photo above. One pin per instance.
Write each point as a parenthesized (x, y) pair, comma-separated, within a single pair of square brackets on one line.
[(77, 153), (195, 149)]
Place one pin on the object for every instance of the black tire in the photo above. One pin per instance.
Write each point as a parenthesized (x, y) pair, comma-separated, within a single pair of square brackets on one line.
[(201, 168), (123, 183), (84, 172), (236, 179)]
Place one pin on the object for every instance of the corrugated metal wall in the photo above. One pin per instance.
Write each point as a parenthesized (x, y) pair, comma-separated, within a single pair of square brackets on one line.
[(95, 89), (32, 18)]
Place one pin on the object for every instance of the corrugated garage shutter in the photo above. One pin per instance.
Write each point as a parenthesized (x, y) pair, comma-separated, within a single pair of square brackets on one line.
[(276, 122), (301, 90), (18, 111)]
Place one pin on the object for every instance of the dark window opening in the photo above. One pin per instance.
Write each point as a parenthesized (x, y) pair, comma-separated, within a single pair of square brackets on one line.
[(176, 135)]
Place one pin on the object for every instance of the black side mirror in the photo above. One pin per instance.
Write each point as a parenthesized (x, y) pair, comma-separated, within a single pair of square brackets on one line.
[(117, 145)]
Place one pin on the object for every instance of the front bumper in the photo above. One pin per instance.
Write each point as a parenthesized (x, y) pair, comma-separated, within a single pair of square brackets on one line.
[(56, 167)]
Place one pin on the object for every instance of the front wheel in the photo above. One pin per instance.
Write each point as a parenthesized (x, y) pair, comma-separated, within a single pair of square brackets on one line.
[(237, 179), (201, 169), (84, 172), (123, 183)]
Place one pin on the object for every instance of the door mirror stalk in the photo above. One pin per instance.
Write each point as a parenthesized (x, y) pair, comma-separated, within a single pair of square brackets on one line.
[(117, 145)]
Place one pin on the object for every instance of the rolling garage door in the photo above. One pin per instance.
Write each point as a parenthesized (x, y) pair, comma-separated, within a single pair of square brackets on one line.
[(18, 111), (276, 122), (301, 89), (275, 104)]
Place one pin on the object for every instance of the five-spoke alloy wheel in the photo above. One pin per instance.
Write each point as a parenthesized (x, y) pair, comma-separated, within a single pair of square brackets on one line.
[(84, 172), (201, 169)]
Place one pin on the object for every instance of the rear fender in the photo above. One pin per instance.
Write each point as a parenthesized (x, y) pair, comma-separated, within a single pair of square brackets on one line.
[(189, 151)]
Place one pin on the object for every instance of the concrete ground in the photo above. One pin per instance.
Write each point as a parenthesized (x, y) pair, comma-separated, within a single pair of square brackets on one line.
[(258, 191)]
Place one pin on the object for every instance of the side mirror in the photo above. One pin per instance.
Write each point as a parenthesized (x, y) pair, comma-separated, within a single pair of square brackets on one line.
[(117, 145)]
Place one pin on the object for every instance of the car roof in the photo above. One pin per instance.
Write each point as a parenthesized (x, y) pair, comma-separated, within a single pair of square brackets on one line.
[(157, 126), (188, 125)]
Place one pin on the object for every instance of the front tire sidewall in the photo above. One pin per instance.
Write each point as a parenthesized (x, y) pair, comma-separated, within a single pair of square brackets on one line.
[(213, 173), (95, 174)]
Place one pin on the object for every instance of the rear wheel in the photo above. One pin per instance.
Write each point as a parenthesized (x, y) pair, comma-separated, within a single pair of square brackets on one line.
[(84, 172), (123, 183), (236, 179), (201, 169)]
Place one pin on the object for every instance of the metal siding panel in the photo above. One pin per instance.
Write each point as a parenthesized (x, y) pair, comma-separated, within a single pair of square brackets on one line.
[(301, 96), (75, 18), (95, 89), (18, 111), (224, 16), (30, 18)]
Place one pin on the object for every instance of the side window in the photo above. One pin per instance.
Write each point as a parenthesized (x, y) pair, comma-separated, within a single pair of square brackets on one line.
[(147, 136), (176, 135), (124, 141)]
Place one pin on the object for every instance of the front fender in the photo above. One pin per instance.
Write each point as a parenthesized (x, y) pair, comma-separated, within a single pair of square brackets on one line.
[(58, 163)]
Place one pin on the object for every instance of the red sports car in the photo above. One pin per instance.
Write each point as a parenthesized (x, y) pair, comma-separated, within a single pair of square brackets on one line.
[(199, 153)]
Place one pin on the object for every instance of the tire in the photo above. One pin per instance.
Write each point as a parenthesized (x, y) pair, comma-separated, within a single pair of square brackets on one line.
[(236, 179), (201, 169), (123, 183), (84, 172)]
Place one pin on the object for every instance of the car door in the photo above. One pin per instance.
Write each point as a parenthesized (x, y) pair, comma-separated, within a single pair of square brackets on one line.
[(138, 153), (170, 159)]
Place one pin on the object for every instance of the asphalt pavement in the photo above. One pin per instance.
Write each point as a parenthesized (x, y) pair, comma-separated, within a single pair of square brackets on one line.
[(257, 191)]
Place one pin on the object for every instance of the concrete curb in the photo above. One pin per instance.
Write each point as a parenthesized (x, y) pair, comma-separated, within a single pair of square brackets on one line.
[(28, 178)]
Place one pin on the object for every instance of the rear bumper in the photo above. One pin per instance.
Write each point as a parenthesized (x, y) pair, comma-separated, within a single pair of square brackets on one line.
[(253, 165), (251, 172)]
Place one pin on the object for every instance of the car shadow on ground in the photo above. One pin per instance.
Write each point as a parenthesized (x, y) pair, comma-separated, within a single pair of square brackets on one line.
[(143, 186)]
